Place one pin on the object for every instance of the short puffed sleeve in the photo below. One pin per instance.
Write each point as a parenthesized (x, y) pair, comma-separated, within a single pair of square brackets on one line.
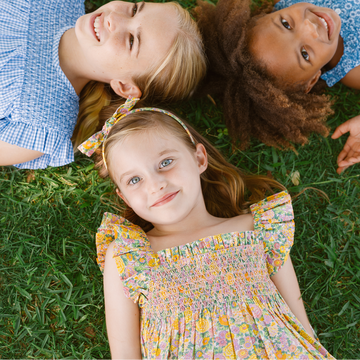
[(274, 220), (132, 253)]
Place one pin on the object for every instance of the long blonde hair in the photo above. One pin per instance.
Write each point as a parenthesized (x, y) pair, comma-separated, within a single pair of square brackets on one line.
[(175, 78), (224, 186)]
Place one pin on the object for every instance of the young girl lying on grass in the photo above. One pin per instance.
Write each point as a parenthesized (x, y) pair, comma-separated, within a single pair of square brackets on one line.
[(192, 270), (267, 63), (52, 56)]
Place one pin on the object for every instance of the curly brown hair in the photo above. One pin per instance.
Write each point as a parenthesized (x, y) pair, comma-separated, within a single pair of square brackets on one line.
[(255, 104)]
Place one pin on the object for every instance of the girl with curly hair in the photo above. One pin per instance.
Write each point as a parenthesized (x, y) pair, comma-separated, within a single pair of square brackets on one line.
[(268, 63)]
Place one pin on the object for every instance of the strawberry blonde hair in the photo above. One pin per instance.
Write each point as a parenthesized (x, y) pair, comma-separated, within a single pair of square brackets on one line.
[(224, 186)]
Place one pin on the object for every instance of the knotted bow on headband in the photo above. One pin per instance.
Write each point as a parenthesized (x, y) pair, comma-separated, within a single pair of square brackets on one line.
[(90, 145)]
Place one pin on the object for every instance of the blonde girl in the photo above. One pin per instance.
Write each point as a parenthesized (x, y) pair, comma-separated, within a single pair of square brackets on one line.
[(193, 269), (53, 56)]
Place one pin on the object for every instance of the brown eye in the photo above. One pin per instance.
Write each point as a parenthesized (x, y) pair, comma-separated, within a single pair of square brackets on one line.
[(131, 41), (285, 24), (305, 54)]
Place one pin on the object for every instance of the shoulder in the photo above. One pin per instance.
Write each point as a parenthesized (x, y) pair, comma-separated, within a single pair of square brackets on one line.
[(275, 208)]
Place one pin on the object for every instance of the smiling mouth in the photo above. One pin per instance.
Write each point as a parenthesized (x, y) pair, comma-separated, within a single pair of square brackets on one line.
[(96, 27), (165, 199), (325, 24)]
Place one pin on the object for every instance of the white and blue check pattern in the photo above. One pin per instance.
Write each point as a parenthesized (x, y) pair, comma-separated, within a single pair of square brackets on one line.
[(38, 105), (349, 12)]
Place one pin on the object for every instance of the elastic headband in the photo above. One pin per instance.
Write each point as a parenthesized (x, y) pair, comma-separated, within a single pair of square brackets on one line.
[(89, 146)]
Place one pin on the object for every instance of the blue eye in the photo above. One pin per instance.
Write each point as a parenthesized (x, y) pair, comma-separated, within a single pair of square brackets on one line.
[(165, 163), (134, 180), (285, 24), (135, 8), (305, 54)]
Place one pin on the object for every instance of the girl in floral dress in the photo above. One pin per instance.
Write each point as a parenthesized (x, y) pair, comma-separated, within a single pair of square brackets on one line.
[(193, 270)]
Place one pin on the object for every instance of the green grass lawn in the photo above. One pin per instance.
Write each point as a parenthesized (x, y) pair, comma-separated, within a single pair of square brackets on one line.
[(51, 299)]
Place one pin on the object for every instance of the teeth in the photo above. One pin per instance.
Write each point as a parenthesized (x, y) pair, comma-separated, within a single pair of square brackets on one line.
[(325, 23), (96, 27)]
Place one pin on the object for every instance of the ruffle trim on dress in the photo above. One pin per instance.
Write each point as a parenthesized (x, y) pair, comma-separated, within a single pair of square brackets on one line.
[(48, 141), (274, 217), (132, 254)]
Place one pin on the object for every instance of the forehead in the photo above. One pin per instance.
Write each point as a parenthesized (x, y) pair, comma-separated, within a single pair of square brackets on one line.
[(158, 29), (274, 46), (144, 146)]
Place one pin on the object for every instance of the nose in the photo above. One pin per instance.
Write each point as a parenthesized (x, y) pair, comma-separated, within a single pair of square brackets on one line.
[(311, 29), (157, 183), (115, 20)]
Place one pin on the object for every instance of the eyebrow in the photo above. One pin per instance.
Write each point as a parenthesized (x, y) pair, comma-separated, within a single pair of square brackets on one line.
[(138, 35), (166, 151), (125, 174)]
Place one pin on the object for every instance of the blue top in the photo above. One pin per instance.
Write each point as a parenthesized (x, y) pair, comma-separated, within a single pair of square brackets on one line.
[(349, 12), (38, 105)]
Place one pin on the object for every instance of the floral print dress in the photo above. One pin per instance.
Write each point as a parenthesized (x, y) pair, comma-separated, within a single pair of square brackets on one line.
[(213, 298)]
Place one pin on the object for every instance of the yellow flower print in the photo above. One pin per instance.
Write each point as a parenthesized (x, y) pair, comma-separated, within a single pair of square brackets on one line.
[(244, 328), (120, 265), (273, 330), (129, 257), (153, 262), (230, 279), (175, 325), (175, 258), (223, 320), (228, 336), (202, 325), (155, 352), (229, 351), (188, 315), (206, 340), (199, 354), (280, 355), (282, 249)]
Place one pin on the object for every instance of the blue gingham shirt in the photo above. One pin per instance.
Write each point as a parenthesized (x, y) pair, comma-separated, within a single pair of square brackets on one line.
[(38, 105), (349, 12)]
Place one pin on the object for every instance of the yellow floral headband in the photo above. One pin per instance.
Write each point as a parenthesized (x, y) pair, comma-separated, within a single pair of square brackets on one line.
[(90, 145)]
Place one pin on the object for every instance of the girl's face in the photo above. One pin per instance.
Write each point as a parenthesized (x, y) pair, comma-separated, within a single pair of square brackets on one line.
[(158, 176), (121, 40), (295, 43)]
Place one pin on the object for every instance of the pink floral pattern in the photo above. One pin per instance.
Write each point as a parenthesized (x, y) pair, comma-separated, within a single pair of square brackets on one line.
[(213, 298)]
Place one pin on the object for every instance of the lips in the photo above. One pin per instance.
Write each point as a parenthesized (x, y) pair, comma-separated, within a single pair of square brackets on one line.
[(165, 199), (327, 23)]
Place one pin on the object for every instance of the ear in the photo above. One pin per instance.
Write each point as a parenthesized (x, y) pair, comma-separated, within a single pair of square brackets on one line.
[(201, 157), (312, 82), (122, 197), (125, 89)]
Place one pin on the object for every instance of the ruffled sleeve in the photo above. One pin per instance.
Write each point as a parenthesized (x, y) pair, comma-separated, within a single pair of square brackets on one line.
[(274, 219), (132, 254)]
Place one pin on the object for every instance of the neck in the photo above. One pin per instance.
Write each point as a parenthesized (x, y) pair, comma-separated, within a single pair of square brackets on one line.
[(72, 62), (184, 231), (337, 56)]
